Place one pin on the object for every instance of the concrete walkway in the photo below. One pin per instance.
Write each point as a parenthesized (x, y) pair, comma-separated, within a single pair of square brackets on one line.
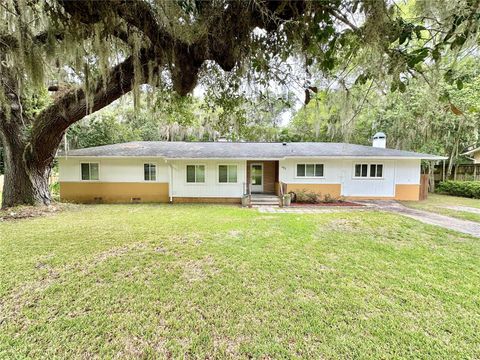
[(447, 222), (463, 208)]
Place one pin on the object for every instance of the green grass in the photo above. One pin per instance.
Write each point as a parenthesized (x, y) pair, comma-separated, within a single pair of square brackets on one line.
[(436, 203), (153, 281)]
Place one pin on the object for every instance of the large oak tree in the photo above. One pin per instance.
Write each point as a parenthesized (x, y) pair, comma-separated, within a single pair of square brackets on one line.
[(89, 53)]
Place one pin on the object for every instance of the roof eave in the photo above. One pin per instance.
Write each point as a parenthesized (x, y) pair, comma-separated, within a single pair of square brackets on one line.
[(384, 157), (471, 152)]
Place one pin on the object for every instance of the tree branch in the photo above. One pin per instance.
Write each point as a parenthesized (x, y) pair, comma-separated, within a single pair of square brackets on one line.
[(238, 19), (342, 18), (50, 124), (360, 107)]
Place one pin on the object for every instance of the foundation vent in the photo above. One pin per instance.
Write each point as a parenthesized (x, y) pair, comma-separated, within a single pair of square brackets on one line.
[(98, 199), (136, 200)]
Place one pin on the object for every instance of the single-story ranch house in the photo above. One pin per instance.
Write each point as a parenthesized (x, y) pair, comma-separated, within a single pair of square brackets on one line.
[(226, 171)]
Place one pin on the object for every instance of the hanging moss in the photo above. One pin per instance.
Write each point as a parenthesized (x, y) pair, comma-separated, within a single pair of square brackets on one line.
[(77, 43)]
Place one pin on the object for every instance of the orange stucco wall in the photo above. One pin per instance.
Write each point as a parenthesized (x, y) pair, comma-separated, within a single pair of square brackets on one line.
[(407, 192), (121, 192), (113, 192)]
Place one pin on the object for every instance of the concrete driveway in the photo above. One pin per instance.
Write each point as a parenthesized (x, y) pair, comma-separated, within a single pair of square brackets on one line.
[(447, 222)]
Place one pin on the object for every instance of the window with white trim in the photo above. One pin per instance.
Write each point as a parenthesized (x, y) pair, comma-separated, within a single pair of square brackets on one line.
[(227, 173), (149, 172), (376, 170), (368, 170), (195, 173), (310, 170), (89, 171)]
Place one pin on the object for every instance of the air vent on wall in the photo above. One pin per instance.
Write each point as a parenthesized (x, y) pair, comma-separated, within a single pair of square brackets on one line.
[(98, 199), (136, 199)]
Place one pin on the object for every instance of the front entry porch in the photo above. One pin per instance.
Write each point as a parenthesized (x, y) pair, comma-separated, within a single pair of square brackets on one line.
[(262, 177)]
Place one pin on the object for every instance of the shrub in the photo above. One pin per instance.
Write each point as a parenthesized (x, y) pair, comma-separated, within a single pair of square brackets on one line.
[(332, 199), (469, 189), (308, 197), (311, 197)]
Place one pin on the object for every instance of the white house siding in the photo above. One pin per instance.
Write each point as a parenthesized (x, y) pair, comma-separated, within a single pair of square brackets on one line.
[(369, 187), (341, 171), (211, 187), (407, 172), (113, 169), (332, 171)]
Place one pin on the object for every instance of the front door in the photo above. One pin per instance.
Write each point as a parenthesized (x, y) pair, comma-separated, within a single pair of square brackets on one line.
[(256, 177)]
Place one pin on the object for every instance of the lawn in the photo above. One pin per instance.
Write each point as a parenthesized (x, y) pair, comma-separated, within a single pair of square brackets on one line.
[(437, 203), (153, 281)]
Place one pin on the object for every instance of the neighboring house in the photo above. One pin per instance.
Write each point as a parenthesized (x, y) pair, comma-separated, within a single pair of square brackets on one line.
[(473, 154), (225, 171)]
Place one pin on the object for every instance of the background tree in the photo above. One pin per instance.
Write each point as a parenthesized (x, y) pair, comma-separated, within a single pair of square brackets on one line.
[(428, 102)]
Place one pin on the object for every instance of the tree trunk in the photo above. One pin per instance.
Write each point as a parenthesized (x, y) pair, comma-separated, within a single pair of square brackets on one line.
[(23, 186), (24, 183), (30, 144), (25, 180)]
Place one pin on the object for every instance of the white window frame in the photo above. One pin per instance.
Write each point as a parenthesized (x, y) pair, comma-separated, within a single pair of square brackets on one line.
[(368, 177), (309, 177), (156, 171), (89, 172), (218, 174), (376, 169), (196, 182)]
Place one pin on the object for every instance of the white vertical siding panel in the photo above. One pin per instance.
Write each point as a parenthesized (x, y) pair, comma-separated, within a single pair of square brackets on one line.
[(407, 171), (384, 187), (68, 169), (341, 171), (211, 187), (332, 171), (113, 169)]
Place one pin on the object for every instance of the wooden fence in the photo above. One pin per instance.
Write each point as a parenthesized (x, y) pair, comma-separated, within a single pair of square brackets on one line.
[(463, 172), (424, 185)]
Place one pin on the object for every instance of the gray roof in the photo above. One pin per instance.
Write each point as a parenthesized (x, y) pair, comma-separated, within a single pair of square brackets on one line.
[(242, 150)]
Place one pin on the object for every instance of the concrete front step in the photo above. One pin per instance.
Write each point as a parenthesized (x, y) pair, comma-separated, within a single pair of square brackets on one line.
[(264, 200), (265, 204)]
